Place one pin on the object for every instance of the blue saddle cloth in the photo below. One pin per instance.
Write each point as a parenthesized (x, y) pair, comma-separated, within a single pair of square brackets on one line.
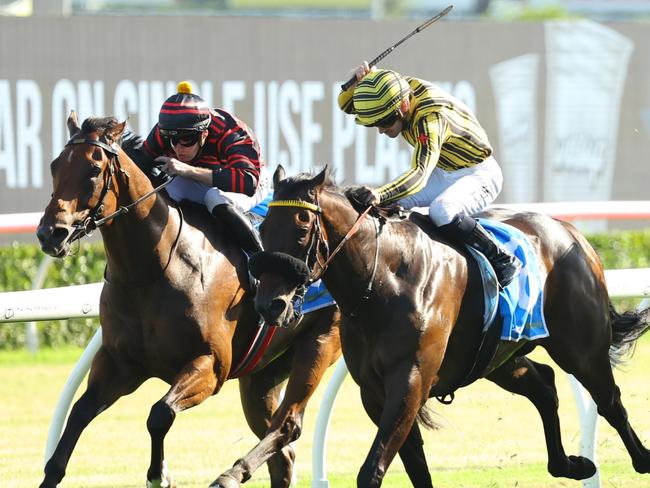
[(520, 305), (317, 296)]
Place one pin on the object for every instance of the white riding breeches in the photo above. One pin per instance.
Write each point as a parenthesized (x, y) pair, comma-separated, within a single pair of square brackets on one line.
[(462, 192), (194, 191)]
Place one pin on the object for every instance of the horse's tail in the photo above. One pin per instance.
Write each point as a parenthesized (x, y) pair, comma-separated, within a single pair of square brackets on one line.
[(627, 327), (425, 418)]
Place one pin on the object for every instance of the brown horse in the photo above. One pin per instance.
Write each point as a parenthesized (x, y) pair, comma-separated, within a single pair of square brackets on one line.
[(412, 314), (173, 307)]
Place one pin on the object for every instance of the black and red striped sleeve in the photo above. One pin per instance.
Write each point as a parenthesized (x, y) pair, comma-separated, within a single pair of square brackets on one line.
[(239, 153)]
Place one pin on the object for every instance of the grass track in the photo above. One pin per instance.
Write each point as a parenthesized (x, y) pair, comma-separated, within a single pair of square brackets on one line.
[(490, 438)]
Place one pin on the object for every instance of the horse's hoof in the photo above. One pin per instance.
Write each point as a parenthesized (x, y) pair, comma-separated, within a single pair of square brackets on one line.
[(575, 468), (167, 479), (225, 481), (167, 482)]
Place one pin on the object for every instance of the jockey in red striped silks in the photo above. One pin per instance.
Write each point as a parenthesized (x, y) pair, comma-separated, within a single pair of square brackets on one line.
[(216, 159)]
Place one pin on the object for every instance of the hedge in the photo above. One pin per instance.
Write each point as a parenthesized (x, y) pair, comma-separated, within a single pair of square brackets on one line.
[(623, 249)]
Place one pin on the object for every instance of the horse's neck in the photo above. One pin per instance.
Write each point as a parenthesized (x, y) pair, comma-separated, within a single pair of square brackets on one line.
[(139, 243), (356, 257)]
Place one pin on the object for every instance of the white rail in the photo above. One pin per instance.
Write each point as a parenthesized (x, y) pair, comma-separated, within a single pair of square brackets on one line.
[(51, 303)]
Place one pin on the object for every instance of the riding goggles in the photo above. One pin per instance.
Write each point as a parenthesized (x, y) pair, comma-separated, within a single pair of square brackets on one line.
[(181, 137), (387, 121)]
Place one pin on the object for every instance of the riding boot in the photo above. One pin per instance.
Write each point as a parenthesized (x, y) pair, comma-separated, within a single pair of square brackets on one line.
[(466, 230), (233, 219)]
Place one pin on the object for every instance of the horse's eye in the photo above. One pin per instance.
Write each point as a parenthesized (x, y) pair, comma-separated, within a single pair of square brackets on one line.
[(301, 232), (303, 216), (95, 171)]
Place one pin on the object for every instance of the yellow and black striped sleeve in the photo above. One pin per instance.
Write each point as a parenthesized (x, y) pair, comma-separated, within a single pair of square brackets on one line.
[(430, 133), (345, 100)]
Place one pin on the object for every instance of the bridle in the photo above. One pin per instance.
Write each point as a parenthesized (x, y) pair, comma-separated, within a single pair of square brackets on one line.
[(319, 241), (92, 222)]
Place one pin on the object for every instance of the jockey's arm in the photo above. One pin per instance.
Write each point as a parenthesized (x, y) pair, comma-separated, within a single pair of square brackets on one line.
[(429, 135), (345, 100), (221, 178), (240, 170), (173, 166), (345, 96)]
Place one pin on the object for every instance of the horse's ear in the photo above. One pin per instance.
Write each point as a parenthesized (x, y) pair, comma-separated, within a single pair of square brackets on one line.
[(319, 179), (73, 123), (117, 131), (278, 176)]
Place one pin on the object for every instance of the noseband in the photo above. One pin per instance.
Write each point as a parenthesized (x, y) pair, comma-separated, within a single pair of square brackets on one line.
[(319, 241)]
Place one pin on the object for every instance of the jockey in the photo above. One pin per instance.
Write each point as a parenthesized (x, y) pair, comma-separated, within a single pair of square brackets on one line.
[(216, 160), (452, 172)]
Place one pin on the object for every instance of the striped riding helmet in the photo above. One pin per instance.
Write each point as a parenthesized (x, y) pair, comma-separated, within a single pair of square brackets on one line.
[(378, 95), (184, 111)]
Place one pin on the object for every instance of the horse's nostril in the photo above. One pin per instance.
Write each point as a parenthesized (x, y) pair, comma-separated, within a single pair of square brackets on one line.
[(43, 233), (60, 233), (277, 307)]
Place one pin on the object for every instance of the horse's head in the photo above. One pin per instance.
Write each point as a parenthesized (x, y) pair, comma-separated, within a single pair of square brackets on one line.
[(292, 234), (83, 183)]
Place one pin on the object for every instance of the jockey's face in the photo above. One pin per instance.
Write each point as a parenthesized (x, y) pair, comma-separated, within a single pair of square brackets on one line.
[(393, 130), (187, 150)]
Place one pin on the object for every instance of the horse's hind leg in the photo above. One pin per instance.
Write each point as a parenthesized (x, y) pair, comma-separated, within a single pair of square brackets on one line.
[(595, 374), (537, 383), (314, 351), (191, 386), (108, 381)]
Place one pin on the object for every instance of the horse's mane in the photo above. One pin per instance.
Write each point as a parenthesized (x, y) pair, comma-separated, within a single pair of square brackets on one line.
[(130, 141), (96, 124), (301, 181), (295, 183)]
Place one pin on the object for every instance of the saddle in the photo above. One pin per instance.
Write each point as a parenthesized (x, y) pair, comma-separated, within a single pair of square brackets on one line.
[(513, 313)]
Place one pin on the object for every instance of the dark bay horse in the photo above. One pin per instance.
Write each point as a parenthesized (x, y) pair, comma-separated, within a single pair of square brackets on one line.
[(173, 307), (412, 314)]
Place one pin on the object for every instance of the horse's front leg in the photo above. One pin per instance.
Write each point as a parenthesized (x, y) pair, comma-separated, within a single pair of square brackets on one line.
[(405, 393), (315, 350), (192, 385), (412, 451), (109, 379)]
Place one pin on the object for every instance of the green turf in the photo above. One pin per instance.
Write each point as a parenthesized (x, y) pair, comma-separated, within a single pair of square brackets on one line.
[(65, 355), (489, 439)]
